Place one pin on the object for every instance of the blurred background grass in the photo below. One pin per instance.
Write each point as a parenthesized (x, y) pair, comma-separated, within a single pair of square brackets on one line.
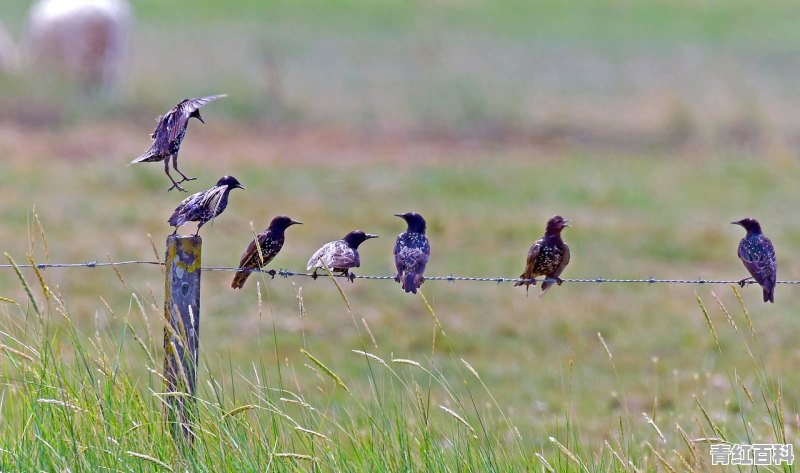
[(652, 124)]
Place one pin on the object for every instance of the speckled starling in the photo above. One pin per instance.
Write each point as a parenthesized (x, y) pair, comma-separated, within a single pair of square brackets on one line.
[(169, 133), (548, 256), (340, 255), (758, 256), (411, 252), (270, 242), (204, 206)]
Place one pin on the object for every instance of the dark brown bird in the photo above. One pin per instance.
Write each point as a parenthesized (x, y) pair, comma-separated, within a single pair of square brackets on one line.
[(204, 206), (411, 252), (263, 249), (169, 134), (340, 255), (758, 256), (548, 256)]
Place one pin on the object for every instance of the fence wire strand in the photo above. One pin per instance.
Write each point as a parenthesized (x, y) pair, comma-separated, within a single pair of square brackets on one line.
[(285, 273)]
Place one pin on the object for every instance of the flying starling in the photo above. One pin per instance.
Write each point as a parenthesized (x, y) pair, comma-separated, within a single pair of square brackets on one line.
[(169, 133), (547, 257), (270, 242), (204, 206), (411, 252), (340, 255), (758, 256)]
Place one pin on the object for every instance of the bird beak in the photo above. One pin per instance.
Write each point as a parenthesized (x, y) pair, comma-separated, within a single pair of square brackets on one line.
[(566, 222), (295, 222), (399, 214), (736, 223), (200, 118), (370, 235), (240, 186)]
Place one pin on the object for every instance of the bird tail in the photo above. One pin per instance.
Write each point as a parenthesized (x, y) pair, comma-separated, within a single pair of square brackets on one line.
[(769, 294), (411, 281), (150, 155), (239, 279)]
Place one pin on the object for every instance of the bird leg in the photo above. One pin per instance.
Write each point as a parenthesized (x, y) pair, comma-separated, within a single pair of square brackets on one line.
[(314, 275), (197, 234), (744, 281), (175, 185), (175, 165)]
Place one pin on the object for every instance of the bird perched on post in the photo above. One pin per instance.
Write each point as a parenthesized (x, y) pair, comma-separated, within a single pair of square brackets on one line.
[(547, 257), (411, 252), (263, 249), (340, 255), (204, 206), (169, 134), (758, 256)]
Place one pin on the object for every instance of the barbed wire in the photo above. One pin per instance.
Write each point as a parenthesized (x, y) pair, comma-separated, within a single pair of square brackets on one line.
[(285, 273)]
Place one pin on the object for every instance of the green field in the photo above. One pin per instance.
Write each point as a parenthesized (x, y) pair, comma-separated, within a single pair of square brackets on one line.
[(651, 124)]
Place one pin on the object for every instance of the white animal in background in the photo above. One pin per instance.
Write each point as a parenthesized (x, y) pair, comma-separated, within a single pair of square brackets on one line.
[(82, 40)]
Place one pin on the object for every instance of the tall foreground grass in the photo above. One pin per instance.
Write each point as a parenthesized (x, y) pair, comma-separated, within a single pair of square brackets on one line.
[(76, 401)]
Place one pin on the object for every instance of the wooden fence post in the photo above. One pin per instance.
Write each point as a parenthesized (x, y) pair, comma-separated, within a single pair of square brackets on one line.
[(182, 329)]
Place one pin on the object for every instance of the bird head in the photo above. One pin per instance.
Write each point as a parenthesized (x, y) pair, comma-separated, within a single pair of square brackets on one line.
[(357, 237), (283, 222), (749, 224), (556, 224), (416, 223), (230, 181), (196, 114)]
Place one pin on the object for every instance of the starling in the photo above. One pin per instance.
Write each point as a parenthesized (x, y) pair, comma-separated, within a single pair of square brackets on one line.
[(411, 252), (758, 256), (270, 242), (340, 255), (204, 206), (169, 133), (547, 257)]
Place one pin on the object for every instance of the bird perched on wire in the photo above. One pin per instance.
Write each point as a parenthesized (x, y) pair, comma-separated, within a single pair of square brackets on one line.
[(411, 252), (206, 205), (758, 256), (547, 257), (263, 249), (169, 134), (340, 255)]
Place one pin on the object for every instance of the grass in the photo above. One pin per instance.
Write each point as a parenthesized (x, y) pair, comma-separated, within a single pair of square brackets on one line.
[(74, 401)]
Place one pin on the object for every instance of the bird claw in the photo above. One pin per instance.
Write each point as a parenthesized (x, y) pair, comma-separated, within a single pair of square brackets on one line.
[(175, 185), (272, 273), (314, 275), (188, 179), (559, 281), (742, 282), (351, 276)]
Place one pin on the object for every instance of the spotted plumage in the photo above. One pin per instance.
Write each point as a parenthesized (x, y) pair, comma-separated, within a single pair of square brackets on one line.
[(547, 257), (263, 249), (169, 134), (340, 255), (204, 206), (758, 256), (411, 252)]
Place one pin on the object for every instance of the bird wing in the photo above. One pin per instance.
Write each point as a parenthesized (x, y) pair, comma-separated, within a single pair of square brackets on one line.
[(178, 118), (187, 210), (759, 260), (340, 255), (411, 252), (533, 255), (213, 198)]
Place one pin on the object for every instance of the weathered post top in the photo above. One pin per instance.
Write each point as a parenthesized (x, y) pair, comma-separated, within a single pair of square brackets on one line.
[(182, 329)]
